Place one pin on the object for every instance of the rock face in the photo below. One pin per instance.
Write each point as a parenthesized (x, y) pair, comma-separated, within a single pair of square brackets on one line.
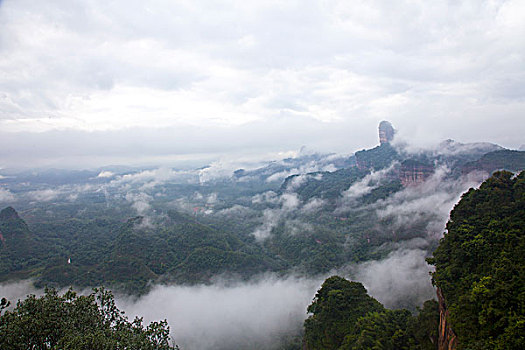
[(386, 132), (413, 172), (447, 338)]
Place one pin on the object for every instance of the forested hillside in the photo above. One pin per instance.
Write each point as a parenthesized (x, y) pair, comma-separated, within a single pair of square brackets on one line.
[(480, 265), (479, 273), (345, 317)]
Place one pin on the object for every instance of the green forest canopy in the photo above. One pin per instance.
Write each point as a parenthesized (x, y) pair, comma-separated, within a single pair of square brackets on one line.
[(480, 265), (71, 321)]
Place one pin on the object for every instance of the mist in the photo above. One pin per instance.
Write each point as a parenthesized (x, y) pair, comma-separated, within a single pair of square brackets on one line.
[(430, 201), (401, 280), (258, 314), (262, 313)]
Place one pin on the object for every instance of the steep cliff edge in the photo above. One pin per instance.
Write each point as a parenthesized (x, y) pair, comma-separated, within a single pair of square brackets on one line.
[(480, 267), (447, 338), (413, 172)]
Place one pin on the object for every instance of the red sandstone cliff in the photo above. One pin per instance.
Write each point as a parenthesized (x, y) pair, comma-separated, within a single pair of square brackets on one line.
[(447, 338), (414, 173)]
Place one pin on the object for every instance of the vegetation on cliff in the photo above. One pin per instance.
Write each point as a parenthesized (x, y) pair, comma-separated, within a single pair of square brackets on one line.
[(480, 265)]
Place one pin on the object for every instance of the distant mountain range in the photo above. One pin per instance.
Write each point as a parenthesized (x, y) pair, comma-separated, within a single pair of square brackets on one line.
[(309, 214)]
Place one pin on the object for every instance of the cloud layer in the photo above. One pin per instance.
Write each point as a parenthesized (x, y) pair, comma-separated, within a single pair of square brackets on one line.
[(161, 81), (263, 313), (221, 316)]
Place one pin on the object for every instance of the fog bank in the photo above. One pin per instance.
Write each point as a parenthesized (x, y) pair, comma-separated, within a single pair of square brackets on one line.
[(257, 314), (262, 313)]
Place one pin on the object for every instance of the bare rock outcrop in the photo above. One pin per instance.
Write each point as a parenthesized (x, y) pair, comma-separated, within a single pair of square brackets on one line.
[(413, 172), (386, 132)]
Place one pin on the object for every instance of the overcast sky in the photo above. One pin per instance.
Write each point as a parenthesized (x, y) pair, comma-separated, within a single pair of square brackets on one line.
[(96, 82)]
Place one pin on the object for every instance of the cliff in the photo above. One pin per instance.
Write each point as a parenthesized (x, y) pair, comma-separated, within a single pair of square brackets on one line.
[(479, 267), (413, 172), (447, 338)]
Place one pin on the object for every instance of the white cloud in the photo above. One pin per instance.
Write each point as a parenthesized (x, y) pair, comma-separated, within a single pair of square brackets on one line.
[(284, 207), (313, 205), (6, 195), (14, 291), (400, 280), (301, 179), (236, 210), (265, 197), (303, 172), (321, 72), (44, 195), (430, 201), (152, 178), (106, 174), (290, 201), (140, 202), (270, 220), (222, 316), (366, 185)]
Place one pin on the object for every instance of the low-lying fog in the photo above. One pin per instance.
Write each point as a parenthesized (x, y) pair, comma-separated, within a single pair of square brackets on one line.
[(264, 312)]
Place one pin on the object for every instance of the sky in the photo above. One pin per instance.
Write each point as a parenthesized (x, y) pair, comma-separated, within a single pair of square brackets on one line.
[(97, 82)]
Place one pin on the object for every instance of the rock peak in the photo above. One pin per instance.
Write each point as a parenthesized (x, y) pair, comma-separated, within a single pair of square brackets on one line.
[(8, 213), (386, 132)]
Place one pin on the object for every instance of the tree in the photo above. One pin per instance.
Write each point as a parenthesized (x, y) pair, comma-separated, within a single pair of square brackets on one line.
[(4, 304), (335, 309), (70, 321), (345, 317)]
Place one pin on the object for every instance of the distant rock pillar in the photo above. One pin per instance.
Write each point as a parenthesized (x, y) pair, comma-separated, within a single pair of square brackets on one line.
[(386, 132)]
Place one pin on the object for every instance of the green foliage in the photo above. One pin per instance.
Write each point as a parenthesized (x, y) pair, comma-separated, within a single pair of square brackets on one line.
[(4, 304), (424, 327), (502, 159), (203, 263), (345, 317), (336, 308), (70, 321), (377, 158), (396, 330), (326, 184), (381, 330), (126, 256), (480, 264), (316, 252), (19, 250)]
